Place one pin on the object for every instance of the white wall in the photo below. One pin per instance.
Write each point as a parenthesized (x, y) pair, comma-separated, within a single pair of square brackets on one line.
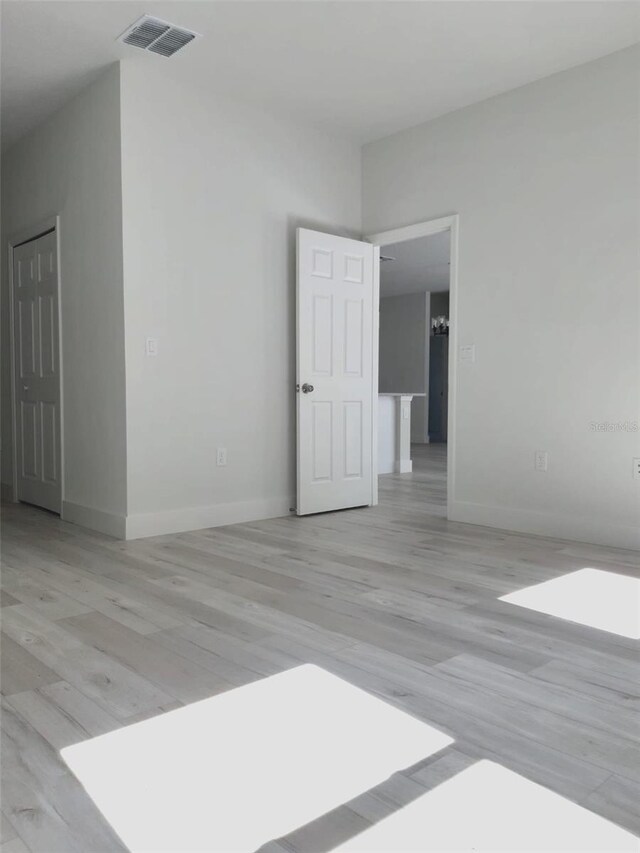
[(71, 166), (404, 354), (213, 193), (545, 179)]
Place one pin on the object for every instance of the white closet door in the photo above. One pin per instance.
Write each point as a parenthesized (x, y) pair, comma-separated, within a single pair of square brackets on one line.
[(36, 319)]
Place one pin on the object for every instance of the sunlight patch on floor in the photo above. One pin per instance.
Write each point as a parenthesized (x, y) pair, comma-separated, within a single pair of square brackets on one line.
[(236, 770), (488, 808), (604, 600)]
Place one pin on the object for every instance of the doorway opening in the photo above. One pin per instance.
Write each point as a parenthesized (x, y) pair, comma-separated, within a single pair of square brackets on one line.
[(343, 423), (418, 281), (36, 366)]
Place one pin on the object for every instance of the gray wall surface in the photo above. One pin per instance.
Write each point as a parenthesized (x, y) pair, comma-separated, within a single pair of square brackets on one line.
[(404, 353), (545, 181)]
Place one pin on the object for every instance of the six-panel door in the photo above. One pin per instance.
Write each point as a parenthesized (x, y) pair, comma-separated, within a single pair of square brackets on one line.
[(335, 290), (35, 282)]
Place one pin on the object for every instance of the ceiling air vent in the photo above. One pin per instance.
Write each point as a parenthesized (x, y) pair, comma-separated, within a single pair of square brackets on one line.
[(157, 36)]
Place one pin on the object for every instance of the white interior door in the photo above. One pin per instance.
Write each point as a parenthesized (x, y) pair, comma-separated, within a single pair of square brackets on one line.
[(336, 288), (37, 372)]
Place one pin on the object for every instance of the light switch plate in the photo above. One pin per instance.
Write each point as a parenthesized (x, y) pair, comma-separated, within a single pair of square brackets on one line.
[(468, 353), (541, 460), (636, 468), (151, 346), (221, 456)]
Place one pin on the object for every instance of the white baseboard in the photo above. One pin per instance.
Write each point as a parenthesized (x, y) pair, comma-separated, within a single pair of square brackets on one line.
[(591, 531), (6, 492), (141, 525), (95, 519), (197, 518)]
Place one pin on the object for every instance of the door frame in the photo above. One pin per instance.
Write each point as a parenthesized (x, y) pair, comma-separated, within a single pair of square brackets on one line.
[(401, 235), (26, 235)]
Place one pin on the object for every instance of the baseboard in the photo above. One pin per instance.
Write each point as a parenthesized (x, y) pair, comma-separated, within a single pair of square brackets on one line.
[(546, 524), (6, 492), (142, 525), (95, 519)]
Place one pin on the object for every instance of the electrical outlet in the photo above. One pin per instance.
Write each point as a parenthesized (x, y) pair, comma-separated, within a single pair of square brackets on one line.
[(636, 468), (541, 460), (221, 456)]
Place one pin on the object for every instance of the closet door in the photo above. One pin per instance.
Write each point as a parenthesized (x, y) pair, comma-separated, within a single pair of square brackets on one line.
[(37, 368)]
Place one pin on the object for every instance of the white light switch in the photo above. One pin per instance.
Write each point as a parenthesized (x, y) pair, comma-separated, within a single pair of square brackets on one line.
[(221, 456), (541, 460), (151, 346), (468, 353)]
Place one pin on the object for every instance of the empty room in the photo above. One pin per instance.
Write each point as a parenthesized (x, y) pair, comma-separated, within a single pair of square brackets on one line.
[(320, 426)]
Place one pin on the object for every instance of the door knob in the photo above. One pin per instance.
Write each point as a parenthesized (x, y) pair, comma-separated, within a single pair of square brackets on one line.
[(306, 388)]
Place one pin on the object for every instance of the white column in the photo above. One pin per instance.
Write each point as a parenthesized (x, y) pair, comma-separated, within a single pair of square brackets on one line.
[(403, 463)]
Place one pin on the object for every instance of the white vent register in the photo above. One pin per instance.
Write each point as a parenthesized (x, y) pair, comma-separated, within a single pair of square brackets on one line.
[(157, 36)]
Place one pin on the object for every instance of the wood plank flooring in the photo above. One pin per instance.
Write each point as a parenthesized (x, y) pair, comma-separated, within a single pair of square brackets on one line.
[(98, 633)]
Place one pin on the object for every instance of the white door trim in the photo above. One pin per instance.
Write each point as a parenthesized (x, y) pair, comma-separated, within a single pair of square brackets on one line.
[(375, 344), (23, 236), (410, 232)]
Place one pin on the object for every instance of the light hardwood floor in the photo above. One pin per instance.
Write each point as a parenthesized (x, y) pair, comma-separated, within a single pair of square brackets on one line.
[(98, 633)]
